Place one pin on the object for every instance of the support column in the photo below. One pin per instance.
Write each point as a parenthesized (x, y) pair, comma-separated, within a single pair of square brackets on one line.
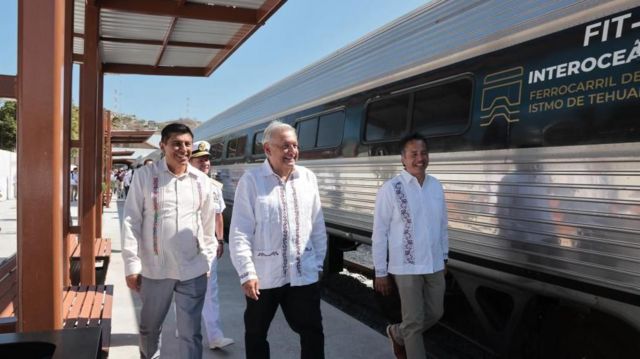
[(88, 111), (41, 45), (99, 152), (66, 140)]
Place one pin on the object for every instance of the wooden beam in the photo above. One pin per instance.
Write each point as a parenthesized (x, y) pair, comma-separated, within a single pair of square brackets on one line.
[(245, 32), (115, 68), (41, 64), (199, 45), (188, 11), (88, 110), (167, 35), (8, 86), (77, 58), (66, 140), (99, 152)]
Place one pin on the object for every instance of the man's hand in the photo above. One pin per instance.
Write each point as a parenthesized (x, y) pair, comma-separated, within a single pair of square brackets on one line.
[(220, 249), (133, 282), (383, 285), (250, 289)]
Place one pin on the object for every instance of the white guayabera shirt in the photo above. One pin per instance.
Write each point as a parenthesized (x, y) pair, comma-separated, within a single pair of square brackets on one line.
[(169, 222), (277, 232), (410, 221)]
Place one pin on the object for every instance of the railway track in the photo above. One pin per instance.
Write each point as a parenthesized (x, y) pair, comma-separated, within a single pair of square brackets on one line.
[(352, 292)]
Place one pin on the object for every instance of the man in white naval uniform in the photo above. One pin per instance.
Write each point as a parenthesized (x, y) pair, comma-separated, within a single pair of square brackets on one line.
[(411, 246), (167, 243), (277, 242), (201, 159)]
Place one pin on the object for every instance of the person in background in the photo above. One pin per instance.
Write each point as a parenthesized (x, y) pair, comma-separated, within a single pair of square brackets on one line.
[(200, 159), (410, 246), (168, 243), (74, 180), (278, 241)]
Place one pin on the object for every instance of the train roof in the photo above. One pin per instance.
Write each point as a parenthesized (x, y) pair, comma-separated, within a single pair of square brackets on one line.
[(437, 34)]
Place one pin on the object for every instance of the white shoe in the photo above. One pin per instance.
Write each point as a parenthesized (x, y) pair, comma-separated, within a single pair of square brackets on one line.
[(220, 343)]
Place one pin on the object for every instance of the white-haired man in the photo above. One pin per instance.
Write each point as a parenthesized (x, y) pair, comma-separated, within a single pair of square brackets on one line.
[(201, 159), (277, 243)]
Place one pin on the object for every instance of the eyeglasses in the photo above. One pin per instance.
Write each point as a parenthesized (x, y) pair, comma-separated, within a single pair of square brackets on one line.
[(287, 147)]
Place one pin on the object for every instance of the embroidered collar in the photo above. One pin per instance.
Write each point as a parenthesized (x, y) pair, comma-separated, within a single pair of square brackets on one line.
[(162, 167), (407, 178), (267, 171)]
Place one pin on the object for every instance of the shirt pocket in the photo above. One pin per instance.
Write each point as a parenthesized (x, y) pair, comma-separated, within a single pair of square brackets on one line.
[(268, 263)]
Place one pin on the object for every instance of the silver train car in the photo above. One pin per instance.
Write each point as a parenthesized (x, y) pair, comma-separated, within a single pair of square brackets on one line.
[(532, 110)]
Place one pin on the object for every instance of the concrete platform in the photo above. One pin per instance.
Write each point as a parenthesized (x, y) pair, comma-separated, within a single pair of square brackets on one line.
[(345, 337)]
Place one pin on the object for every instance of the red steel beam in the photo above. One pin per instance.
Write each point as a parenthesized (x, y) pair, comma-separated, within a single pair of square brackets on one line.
[(167, 35), (41, 64), (245, 32), (8, 86), (152, 70), (198, 45), (99, 153), (88, 110), (66, 140), (188, 11)]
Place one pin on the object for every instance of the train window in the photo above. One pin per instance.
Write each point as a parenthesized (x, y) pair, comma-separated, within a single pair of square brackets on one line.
[(387, 118), (216, 150), (257, 143), (235, 147), (443, 109), (330, 129), (307, 131)]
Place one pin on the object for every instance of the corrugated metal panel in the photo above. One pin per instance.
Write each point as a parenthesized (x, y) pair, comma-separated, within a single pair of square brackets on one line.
[(136, 54), (247, 4), (209, 32), (78, 16), (78, 45), (133, 26), (430, 33), (187, 56)]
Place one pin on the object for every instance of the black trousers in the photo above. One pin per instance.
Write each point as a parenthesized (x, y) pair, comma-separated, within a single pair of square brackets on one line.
[(301, 308)]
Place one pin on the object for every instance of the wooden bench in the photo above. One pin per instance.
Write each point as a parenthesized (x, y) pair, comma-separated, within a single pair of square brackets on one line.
[(102, 253), (82, 306), (8, 294), (89, 306)]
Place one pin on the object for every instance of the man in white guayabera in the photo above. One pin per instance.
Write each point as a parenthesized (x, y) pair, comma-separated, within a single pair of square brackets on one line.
[(411, 246), (167, 243), (277, 242)]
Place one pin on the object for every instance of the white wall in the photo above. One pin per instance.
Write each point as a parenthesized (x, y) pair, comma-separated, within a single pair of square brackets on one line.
[(8, 170)]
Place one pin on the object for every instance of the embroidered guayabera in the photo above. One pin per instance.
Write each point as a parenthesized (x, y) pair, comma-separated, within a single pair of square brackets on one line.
[(296, 212), (285, 226), (156, 213), (407, 240)]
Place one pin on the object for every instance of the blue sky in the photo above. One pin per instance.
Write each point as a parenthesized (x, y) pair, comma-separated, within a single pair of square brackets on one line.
[(299, 34)]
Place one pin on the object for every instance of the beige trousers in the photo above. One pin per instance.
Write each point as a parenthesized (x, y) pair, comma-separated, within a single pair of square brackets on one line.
[(422, 299)]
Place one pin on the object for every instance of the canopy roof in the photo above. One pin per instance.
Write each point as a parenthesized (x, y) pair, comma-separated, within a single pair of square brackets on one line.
[(170, 37), (122, 136)]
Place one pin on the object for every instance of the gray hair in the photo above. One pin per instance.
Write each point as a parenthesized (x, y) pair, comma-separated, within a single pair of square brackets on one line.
[(276, 127)]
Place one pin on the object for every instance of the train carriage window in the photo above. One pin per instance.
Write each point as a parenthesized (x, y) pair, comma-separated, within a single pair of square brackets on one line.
[(443, 109), (330, 129), (257, 143), (216, 150), (307, 131), (387, 118), (235, 147)]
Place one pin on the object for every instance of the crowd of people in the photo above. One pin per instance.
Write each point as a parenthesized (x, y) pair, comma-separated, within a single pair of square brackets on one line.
[(172, 237)]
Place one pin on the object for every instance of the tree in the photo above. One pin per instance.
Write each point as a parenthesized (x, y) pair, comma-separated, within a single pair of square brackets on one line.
[(8, 126)]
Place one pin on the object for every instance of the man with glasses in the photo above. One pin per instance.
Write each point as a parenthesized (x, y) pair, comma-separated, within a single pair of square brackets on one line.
[(277, 243)]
